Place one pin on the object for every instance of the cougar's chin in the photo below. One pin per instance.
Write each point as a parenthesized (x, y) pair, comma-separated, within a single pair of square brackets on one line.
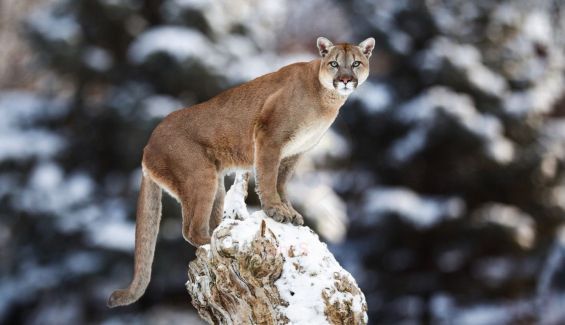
[(345, 89)]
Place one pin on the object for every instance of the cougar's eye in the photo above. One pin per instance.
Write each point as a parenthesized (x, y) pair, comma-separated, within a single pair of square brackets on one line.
[(356, 64), (334, 64)]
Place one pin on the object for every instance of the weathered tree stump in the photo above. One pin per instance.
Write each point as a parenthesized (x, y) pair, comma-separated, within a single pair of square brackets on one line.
[(258, 271)]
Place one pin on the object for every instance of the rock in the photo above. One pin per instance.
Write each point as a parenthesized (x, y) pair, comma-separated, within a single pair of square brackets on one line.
[(258, 271)]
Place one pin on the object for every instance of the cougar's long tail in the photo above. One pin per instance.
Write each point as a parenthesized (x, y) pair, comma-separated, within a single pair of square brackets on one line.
[(146, 229)]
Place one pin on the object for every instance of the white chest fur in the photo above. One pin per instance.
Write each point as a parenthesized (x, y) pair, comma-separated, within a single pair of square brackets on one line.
[(306, 138)]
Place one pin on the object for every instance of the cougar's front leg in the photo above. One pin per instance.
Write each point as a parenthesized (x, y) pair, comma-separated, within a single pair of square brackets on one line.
[(267, 161), (286, 169)]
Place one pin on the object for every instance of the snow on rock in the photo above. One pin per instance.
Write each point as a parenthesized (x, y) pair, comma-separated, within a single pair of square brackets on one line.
[(259, 271), (234, 202)]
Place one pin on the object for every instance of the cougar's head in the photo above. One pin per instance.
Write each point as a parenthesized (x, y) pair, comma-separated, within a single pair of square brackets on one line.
[(344, 66)]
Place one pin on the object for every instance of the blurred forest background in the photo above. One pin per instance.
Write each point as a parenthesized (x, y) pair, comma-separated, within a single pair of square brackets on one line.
[(441, 186)]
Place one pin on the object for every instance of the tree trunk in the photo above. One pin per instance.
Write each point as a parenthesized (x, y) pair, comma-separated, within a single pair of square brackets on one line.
[(258, 271)]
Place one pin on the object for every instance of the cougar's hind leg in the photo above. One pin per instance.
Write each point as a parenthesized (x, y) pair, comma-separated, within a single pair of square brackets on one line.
[(197, 199), (218, 207)]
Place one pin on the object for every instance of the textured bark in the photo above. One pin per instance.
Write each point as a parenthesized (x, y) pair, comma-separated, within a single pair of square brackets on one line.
[(258, 271)]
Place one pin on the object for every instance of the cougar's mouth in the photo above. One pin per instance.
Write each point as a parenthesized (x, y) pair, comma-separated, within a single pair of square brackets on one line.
[(345, 88)]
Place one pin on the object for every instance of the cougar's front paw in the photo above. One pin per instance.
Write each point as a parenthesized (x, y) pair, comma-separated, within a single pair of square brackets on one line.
[(278, 212), (297, 218)]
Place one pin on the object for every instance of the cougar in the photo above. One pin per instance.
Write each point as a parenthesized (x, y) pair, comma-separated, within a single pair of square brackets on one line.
[(265, 124)]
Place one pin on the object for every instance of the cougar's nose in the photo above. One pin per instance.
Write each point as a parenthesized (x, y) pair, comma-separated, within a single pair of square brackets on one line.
[(345, 79)]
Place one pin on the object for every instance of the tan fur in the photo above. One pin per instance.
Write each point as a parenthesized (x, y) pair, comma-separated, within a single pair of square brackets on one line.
[(265, 124)]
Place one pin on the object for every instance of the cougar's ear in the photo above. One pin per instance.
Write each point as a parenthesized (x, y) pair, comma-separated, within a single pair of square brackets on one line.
[(324, 45), (367, 46)]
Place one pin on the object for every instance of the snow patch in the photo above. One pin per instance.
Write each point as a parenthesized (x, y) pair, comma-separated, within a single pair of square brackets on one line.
[(181, 43), (54, 27), (424, 110), (159, 106), (19, 139), (421, 211), (301, 286), (468, 60), (374, 97), (309, 268), (114, 235)]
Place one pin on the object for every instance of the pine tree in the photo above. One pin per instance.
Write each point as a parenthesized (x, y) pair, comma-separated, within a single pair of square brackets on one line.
[(460, 134)]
